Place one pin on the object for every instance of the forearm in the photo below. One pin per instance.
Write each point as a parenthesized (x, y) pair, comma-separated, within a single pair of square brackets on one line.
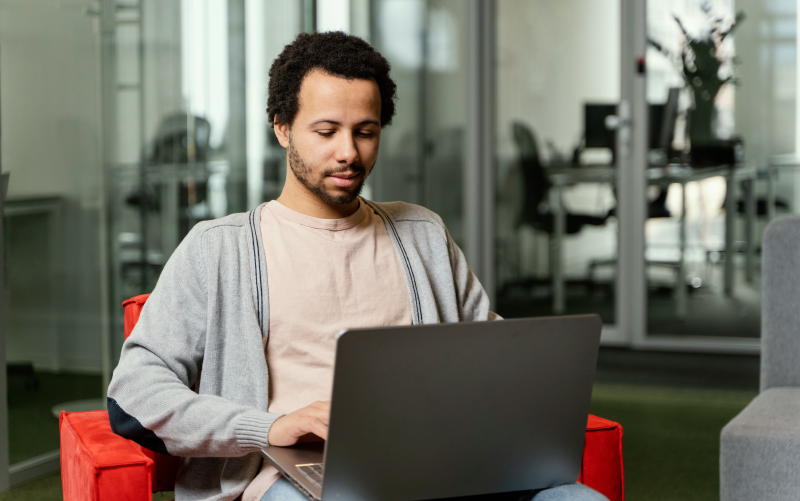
[(150, 405)]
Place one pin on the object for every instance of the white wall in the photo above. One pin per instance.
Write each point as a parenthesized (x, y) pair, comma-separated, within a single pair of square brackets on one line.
[(551, 58)]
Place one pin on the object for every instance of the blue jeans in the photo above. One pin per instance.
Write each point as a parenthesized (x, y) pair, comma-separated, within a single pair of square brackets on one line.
[(283, 490)]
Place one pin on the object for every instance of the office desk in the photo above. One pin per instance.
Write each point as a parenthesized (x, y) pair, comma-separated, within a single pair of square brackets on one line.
[(658, 176)]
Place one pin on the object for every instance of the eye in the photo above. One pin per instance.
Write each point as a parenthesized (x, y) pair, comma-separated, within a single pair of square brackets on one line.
[(366, 133), (325, 134)]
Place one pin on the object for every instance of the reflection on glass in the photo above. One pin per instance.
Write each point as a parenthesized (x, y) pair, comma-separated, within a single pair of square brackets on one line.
[(123, 126), (49, 96), (703, 250), (422, 153)]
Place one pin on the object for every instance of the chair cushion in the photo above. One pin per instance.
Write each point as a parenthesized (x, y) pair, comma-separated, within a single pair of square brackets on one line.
[(602, 467), (760, 449), (97, 464), (132, 308)]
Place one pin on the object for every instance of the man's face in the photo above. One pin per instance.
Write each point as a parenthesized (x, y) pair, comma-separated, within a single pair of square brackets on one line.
[(333, 143)]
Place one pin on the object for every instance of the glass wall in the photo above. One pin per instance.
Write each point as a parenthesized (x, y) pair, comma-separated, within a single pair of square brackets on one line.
[(123, 126), (557, 77), (192, 142), (126, 124), (50, 106), (422, 153), (721, 94)]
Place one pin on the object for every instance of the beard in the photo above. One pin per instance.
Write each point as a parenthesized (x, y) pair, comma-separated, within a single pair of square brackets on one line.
[(304, 173)]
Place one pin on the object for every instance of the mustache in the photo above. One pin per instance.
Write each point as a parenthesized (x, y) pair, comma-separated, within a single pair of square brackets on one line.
[(356, 168)]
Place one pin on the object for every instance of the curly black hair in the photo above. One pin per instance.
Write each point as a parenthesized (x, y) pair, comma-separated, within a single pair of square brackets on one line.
[(335, 53)]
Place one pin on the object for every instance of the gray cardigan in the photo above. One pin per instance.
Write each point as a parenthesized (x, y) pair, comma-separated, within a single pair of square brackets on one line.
[(210, 311)]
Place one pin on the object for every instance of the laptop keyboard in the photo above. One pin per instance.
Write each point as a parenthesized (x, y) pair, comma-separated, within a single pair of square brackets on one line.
[(313, 472)]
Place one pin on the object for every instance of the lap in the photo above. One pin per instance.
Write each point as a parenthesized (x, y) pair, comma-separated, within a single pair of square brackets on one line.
[(283, 490), (576, 492), (568, 492)]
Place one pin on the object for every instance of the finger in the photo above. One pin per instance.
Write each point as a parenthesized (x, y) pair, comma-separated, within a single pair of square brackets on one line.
[(318, 414), (320, 429), (321, 404), (313, 425), (301, 425)]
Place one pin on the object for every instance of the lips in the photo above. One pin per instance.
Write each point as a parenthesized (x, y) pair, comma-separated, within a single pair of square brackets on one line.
[(344, 179)]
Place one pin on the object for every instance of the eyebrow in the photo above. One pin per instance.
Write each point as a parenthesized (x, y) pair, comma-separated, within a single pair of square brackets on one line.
[(335, 122)]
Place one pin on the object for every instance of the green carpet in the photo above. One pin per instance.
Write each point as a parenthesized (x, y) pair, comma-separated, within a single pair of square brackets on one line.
[(32, 428), (49, 489), (670, 442), (670, 438), (45, 489)]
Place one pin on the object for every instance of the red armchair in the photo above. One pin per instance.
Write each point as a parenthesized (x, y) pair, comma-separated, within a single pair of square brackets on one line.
[(97, 464)]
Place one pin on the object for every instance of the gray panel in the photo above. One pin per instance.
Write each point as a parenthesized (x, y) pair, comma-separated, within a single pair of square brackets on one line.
[(759, 449), (780, 315)]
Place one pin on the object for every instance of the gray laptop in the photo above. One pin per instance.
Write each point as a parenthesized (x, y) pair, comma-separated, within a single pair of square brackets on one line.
[(439, 411)]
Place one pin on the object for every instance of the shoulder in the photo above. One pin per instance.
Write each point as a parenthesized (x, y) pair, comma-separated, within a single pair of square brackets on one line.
[(403, 212), (219, 231), (237, 220)]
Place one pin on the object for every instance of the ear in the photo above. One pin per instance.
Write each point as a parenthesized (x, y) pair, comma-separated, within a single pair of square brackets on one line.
[(281, 132)]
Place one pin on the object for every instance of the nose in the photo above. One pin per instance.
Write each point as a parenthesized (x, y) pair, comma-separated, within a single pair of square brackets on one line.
[(346, 151)]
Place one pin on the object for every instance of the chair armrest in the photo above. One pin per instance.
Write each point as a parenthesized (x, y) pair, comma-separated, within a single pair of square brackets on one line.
[(602, 467), (97, 464)]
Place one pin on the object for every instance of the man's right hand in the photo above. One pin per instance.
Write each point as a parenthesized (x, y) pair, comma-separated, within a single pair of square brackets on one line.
[(313, 419)]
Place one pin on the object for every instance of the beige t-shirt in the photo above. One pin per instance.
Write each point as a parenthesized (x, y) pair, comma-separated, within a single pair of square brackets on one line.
[(323, 275)]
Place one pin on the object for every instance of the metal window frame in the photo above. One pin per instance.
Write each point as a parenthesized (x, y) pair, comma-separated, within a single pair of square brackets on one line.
[(4, 459), (480, 150), (631, 297), (631, 302)]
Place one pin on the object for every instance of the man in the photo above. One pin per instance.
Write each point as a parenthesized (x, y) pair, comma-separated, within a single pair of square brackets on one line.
[(254, 300)]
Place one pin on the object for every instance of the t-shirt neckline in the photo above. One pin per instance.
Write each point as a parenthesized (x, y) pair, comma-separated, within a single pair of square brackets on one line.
[(318, 223)]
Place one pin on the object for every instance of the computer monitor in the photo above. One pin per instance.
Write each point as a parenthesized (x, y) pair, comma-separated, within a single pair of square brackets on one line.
[(597, 134), (661, 122), (655, 115)]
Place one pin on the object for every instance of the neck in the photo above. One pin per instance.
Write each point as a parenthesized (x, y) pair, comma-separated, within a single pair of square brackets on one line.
[(300, 199)]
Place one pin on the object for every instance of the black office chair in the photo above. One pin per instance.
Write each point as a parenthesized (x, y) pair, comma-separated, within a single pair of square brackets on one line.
[(171, 143), (535, 212)]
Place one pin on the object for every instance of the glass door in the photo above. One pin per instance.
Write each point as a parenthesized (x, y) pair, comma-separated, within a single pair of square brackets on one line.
[(721, 100), (124, 124), (557, 81), (53, 246), (422, 153)]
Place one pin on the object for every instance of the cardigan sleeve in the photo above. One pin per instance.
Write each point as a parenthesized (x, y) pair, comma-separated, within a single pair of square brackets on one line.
[(473, 302), (149, 398)]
